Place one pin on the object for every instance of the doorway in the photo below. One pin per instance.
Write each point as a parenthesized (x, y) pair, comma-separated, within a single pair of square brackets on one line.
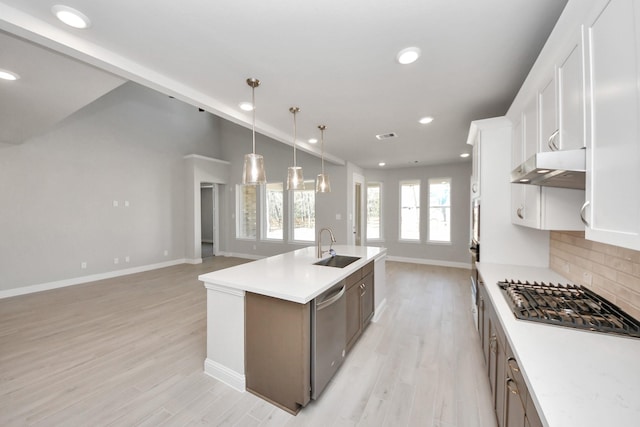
[(208, 219)]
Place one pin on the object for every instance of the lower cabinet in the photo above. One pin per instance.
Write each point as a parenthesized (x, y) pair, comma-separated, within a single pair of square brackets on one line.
[(360, 302), (511, 400)]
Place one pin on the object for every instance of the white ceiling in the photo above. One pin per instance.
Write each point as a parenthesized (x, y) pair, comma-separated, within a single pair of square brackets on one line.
[(334, 59)]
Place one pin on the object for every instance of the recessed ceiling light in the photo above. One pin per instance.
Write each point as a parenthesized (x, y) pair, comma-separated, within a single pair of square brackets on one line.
[(8, 75), (312, 140), (408, 55), (381, 164), (246, 106), (425, 120), (464, 155), (525, 180), (70, 16)]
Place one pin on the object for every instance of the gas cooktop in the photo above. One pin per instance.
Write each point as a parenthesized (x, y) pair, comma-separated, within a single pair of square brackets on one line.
[(568, 305)]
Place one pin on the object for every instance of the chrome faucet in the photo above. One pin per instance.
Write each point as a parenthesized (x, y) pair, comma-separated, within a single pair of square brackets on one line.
[(333, 240)]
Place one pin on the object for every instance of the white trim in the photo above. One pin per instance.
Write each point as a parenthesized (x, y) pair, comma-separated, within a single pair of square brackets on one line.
[(438, 262), (86, 279), (222, 373), (210, 159), (239, 255), (193, 261), (379, 310)]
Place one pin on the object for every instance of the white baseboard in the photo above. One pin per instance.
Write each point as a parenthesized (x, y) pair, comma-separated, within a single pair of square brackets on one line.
[(239, 255), (438, 262), (85, 279), (222, 373), (193, 261), (379, 310)]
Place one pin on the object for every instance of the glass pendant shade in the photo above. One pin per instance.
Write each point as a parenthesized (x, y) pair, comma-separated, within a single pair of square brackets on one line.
[(253, 171), (295, 180), (322, 183)]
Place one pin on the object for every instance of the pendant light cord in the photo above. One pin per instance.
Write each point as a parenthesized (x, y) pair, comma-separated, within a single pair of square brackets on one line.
[(322, 128), (253, 103), (294, 111)]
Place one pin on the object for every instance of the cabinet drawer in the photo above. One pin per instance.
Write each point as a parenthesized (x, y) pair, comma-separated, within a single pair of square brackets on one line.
[(354, 279), (367, 269), (515, 373)]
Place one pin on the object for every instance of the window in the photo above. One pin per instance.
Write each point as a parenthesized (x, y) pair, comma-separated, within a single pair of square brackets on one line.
[(440, 210), (304, 213), (273, 214), (410, 210), (246, 211), (374, 211)]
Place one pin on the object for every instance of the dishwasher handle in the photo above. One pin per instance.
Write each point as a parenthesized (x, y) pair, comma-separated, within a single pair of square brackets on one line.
[(330, 300)]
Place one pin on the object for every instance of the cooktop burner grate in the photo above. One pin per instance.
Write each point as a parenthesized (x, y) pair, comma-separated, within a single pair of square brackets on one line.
[(568, 305)]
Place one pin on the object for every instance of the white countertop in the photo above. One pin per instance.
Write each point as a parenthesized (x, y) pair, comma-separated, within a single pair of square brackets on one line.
[(291, 276), (576, 377)]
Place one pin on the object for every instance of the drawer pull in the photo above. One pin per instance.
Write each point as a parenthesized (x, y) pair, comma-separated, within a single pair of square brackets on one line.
[(513, 364), (512, 386)]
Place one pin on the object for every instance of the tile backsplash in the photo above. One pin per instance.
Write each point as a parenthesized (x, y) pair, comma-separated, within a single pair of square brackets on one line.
[(610, 271)]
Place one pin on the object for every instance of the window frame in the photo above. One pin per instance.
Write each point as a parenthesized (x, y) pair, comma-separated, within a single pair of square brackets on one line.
[(240, 212), (264, 217), (309, 186), (380, 237), (400, 185), (431, 181)]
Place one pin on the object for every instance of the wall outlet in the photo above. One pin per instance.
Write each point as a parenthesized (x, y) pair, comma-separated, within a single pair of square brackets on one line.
[(115, 203), (116, 260), (127, 259), (166, 252), (126, 203), (83, 265), (338, 217)]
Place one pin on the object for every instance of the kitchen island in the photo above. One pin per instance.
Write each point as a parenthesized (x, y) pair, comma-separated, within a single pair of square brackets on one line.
[(574, 377), (290, 277)]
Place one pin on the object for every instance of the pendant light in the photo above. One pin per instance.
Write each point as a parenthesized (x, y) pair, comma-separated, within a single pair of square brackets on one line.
[(253, 171), (295, 180), (322, 181)]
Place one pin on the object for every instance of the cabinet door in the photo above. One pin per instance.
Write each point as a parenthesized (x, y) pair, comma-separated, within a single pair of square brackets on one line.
[(514, 411), (613, 150), (367, 299), (548, 111), (571, 99), (475, 167), (353, 314)]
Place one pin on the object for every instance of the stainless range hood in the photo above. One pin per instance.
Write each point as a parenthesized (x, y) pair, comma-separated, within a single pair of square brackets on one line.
[(564, 169)]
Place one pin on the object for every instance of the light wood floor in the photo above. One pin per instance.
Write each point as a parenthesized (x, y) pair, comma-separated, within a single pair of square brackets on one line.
[(130, 351)]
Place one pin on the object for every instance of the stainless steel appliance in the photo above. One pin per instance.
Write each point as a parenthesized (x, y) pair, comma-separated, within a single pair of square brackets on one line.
[(568, 305), (564, 169), (474, 249), (328, 336)]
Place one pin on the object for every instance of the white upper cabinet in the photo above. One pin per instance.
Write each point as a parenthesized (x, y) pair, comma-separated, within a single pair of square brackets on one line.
[(612, 207), (571, 96), (547, 104)]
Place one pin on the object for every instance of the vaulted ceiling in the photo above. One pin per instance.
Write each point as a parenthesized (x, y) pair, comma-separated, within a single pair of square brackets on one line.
[(334, 59)]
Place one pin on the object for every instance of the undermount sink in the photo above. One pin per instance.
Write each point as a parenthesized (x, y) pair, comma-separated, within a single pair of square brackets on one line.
[(339, 261)]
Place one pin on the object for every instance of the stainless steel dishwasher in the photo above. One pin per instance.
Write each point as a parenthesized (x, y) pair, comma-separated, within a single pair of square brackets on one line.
[(328, 336)]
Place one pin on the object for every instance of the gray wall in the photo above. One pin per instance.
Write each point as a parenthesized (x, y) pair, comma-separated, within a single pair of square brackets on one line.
[(57, 190), (236, 142), (458, 250)]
